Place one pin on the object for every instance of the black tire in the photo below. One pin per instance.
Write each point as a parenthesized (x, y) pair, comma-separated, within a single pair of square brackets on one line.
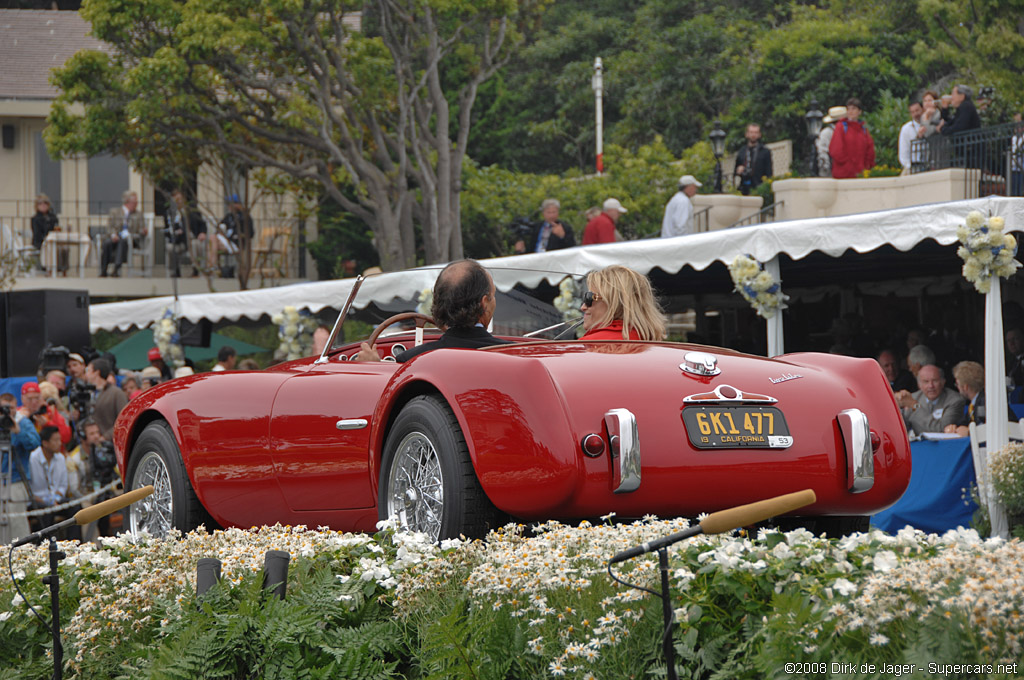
[(445, 498), (156, 460)]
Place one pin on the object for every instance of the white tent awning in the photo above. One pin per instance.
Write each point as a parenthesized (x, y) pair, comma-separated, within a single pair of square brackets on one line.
[(903, 229)]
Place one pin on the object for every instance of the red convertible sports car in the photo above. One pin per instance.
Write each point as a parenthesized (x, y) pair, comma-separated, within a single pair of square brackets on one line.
[(456, 441)]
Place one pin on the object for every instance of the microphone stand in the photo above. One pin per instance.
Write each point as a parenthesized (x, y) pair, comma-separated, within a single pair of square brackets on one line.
[(82, 517), (715, 523), (53, 580)]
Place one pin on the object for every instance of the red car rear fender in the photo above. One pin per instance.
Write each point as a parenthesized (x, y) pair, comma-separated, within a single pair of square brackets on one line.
[(512, 416)]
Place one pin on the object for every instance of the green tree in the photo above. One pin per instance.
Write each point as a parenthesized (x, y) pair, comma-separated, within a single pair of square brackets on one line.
[(982, 42), (290, 85)]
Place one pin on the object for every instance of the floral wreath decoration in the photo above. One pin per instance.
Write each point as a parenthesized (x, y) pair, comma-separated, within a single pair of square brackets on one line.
[(295, 332), (426, 301), (986, 250), (570, 298), (757, 286), (168, 340)]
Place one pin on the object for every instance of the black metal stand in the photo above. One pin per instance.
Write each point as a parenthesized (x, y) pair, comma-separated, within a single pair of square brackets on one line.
[(53, 580), (666, 607), (718, 176)]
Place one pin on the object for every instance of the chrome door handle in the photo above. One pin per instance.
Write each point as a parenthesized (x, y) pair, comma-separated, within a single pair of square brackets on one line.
[(352, 424)]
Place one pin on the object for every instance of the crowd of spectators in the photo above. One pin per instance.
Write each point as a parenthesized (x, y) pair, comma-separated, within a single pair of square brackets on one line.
[(60, 428)]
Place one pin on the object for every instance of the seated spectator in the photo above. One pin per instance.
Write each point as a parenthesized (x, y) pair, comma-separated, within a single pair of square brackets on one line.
[(899, 378), (226, 358), (619, 305), (1015, 356), (43, 222), (919, 356), (970, 381), (601, 229), (933, 406)]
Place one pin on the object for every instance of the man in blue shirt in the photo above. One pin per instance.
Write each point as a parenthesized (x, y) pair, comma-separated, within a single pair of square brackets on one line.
[(13, 486)]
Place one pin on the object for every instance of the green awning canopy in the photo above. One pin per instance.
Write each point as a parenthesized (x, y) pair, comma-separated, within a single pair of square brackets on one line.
[(131, 353)]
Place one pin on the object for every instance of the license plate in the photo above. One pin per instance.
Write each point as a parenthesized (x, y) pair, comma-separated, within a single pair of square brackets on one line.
[(736, 427)]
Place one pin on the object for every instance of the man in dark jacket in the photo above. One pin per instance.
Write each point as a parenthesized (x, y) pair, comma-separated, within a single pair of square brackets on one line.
[(184, 226), (852, 149), (966, 116), (753, 161), (550, 233), (463, 305)]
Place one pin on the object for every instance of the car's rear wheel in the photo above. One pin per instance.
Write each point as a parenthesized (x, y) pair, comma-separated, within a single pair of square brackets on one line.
[(156, 460), (427, 481)]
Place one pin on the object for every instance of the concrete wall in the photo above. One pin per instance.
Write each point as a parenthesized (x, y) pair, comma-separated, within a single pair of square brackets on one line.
[(823, 197), (725, 209)]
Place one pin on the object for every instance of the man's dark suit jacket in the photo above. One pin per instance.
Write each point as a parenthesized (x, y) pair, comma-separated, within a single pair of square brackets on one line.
[(459, 338), (554, 242), (966, 118)]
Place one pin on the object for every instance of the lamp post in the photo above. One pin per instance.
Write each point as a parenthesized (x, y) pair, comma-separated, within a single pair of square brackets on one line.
[(813, 119), (597, 83), (718, 148)]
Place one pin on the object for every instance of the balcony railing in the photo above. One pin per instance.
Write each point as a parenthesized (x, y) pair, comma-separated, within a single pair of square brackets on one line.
[(993, 157), (75, 250)]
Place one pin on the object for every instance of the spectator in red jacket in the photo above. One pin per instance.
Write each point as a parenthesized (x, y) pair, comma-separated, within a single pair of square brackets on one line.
[(852, 149), (601, 229)]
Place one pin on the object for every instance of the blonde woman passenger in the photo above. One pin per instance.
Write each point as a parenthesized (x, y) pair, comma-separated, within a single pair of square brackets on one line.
[(620, 305)]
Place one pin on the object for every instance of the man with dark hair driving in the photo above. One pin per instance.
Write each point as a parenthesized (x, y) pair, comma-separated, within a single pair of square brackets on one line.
[(463, 305)]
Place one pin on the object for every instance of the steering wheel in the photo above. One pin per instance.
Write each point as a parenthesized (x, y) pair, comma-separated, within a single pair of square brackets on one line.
[(421, 321)]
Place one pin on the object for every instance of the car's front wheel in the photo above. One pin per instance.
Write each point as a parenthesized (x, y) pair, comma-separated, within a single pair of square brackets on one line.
[(427, 481), (156, 460)]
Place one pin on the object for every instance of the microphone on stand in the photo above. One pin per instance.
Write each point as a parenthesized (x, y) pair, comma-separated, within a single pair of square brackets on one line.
[(87, 515), (725, 520)]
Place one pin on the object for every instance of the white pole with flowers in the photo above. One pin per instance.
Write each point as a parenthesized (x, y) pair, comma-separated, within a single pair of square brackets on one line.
[(760, 286), (988, 255)]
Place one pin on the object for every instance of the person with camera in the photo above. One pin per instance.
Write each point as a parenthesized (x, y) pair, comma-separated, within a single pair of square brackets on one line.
[(550, 233), (18, 438), (753, 161), (110, 398), (92, 466)]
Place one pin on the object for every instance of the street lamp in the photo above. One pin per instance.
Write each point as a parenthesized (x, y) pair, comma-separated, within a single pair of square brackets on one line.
[(813, 119), (718, 148)]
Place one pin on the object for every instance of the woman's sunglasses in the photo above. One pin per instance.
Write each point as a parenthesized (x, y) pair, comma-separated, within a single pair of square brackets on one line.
[(589, 297)]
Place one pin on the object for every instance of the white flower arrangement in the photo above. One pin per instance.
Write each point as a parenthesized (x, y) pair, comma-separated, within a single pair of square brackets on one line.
[(757, 286), (569, 299), (295, 331), (168, 340), (426, 301), (986, 250)]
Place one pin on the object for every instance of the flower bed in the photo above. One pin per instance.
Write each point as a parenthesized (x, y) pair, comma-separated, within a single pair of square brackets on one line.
[(521, 606)]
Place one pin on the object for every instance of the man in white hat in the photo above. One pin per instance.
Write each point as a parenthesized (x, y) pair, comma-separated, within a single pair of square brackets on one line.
[(835, 114), (678, 219), (601, 229)]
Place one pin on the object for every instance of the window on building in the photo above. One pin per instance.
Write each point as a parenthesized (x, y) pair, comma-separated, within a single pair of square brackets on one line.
[(47, 173), (108, 180)]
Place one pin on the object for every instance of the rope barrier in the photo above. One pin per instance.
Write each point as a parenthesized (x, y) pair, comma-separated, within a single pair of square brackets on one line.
[(69, 504)]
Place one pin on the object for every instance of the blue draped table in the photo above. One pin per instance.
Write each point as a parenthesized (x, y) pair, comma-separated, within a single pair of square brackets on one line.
[(937, 498)]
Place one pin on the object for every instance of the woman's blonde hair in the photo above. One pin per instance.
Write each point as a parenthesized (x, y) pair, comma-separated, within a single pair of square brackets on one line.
[(43, 198), (629, 298)]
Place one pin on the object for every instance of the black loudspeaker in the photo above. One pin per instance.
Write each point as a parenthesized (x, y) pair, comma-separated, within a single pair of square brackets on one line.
[(195, 334), (8, 135), (32, 319)]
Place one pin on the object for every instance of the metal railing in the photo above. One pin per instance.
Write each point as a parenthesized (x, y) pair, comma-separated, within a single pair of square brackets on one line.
[(765, 214), (992, 156), (702, 220), (76, 249)]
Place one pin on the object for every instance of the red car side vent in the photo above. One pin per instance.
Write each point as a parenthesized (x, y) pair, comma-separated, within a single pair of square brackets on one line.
[(729, 395)]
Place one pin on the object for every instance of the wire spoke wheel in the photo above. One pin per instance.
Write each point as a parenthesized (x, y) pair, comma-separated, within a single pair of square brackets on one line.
[(153, 514), (416, 486)]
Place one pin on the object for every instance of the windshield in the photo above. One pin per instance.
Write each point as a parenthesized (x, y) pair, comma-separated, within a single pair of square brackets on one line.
[(519, 311)]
